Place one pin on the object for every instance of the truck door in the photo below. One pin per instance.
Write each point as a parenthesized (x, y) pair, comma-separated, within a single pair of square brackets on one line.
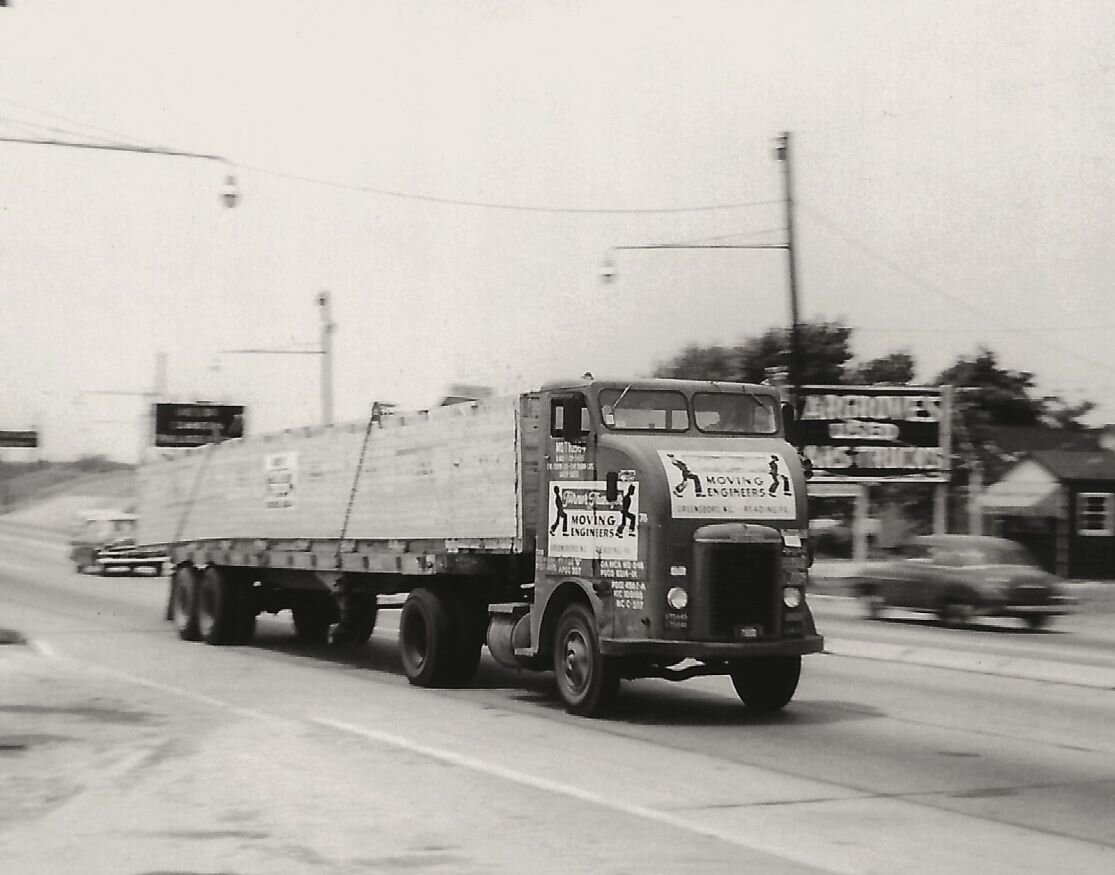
[(570, 495)]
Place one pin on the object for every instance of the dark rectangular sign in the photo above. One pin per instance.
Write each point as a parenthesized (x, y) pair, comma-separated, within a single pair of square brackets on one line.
[(19, 438), (191, 425), (876, 433)]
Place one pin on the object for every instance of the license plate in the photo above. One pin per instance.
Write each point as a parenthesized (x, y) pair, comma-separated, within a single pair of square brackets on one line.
[(748, 633)]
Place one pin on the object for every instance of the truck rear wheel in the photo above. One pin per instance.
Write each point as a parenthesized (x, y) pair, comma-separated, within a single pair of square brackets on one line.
[(183, 602), (587, 681), (468, 630), (426, 642), (766, 683)]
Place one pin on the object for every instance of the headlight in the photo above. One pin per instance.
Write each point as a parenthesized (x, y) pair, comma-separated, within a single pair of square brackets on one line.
[(791, 596), (677, 598)]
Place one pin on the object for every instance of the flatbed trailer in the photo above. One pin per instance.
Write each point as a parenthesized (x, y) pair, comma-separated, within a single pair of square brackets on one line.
[(599, 529)]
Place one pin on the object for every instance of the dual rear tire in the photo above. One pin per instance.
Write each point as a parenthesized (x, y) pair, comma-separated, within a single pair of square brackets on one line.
[(440, 638), (211, 606)]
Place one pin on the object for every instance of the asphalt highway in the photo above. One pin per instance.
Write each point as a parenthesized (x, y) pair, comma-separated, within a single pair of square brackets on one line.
[(909, 747)]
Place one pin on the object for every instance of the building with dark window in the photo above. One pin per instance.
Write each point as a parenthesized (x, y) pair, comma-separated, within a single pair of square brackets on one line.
[(1061, 504)]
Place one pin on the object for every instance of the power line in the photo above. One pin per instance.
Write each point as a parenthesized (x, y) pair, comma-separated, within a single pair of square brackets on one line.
[(497, 205), (928, 286)]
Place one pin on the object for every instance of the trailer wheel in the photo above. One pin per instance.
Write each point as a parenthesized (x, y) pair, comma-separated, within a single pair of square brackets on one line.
[(358, 620), (183, 602), (217, 607), (313, 615), (587, 681), (426, 643), (766, 683)]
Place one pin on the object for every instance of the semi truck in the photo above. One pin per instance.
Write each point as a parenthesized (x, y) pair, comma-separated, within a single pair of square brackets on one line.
[(599, 529)]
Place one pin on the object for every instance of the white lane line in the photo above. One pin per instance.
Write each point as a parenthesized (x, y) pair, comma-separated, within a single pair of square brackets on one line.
[(485, 768), (573, 792)]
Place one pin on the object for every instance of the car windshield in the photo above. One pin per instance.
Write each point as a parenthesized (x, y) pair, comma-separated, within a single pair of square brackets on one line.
[(1002, 554), (732, 413), (644, 409), (969, 554)]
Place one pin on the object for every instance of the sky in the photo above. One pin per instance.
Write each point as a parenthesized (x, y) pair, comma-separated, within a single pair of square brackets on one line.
[(454, 174)]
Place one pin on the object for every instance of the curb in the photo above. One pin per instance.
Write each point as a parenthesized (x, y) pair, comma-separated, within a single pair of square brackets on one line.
[(1066, 673)]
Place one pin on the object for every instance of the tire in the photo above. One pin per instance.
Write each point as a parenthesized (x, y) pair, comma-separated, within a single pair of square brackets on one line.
[(955, 613), (313, 615), (218, 608), (874, 606), (358, 620), (1034, 622), (587, 681), (468, 629), (183, 602), (426, 643), (766, 683)]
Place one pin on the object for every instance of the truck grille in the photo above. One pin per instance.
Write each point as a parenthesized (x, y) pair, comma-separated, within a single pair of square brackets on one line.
[(740, 590)]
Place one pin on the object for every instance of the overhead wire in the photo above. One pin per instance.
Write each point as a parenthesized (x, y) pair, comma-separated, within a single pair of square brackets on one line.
[(928, 286)]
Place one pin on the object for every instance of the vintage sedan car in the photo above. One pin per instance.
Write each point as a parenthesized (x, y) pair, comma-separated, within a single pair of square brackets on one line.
[(958, 577), (105, 541)]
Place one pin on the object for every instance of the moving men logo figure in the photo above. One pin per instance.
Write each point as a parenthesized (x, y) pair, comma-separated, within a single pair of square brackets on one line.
[(560, 516), (627, 518), (777, 477), (686, 476)]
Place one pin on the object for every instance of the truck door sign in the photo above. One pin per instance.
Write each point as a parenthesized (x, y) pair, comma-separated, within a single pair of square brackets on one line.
[(281, 478), (729, 485), (585, 525)]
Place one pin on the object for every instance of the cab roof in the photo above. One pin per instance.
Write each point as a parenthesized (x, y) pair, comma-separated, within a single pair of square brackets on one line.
[(588, 382)]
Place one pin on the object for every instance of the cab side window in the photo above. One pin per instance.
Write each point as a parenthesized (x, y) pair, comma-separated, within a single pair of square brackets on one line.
[(569, 418)]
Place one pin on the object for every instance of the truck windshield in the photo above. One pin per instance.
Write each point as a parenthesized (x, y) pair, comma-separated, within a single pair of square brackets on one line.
[(644, 409), (724, 413)]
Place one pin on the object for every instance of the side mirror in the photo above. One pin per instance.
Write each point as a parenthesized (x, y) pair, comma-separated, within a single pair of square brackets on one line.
[(789, 422), (611, 487)]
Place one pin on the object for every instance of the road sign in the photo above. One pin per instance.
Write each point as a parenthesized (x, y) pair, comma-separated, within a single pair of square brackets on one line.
[(876, 433), (19, 438), (196, 423)]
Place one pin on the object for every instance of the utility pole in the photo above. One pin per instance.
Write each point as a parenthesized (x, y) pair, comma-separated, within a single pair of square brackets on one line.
[(327, 329), (782, 153)]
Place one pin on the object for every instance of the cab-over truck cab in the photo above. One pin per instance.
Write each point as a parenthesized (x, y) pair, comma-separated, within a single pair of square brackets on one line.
[(670, 542)]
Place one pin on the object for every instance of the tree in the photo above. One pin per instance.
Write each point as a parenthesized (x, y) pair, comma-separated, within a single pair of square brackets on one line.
[(701, 363), (825, 350), (988, 395), (994, 395), (897, 368)]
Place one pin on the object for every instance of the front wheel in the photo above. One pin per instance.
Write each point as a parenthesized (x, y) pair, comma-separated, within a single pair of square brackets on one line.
[(766, 683), (587, 681)]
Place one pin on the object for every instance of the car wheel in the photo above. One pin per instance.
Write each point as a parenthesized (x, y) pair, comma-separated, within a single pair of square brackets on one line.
[(873, 606), (955, 613), (1037, 621)]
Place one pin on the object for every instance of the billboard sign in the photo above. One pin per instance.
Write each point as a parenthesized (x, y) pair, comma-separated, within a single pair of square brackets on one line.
[(19, 438), (876, 433), (194, 424)]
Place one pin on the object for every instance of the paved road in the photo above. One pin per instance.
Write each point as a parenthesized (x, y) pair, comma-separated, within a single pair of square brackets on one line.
[(124, 750)]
